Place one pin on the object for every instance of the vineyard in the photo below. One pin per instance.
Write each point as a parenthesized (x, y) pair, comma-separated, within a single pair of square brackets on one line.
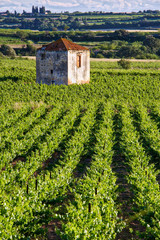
[(81, 161)]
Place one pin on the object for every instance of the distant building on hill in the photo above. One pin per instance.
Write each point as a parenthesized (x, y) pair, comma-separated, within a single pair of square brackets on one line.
[(42, 10), (63, 62), (34, 9)]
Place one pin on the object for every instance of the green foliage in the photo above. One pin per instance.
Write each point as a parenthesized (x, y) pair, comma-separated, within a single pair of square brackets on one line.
[(31, 50), (87, 21), (118, 44), (121, 34), (124, 64), (142, 176), (99, 55), (7, 51), (57, 146), (152, 43), (97, 189), (17, 70), (21, 34), (1, 55)]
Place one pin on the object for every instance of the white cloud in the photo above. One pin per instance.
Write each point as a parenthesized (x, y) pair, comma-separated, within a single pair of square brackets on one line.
[(62, 4), (81, 5)]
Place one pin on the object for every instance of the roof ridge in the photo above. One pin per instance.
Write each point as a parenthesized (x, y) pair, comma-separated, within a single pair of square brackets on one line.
[(63, 44), (63, 40)]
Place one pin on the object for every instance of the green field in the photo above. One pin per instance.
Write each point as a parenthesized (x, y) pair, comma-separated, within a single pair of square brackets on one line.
[(102, 44), (80, 161), (135, 65)]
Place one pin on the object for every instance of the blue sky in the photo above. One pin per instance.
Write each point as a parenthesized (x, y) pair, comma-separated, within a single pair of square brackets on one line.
[(81, 5)]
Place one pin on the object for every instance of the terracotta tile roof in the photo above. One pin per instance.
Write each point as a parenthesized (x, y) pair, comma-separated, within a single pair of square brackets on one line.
[(63, 44)]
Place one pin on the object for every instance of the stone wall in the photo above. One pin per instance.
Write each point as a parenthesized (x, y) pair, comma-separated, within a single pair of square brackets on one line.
[(77, 74), (52, 67), (60, 67)]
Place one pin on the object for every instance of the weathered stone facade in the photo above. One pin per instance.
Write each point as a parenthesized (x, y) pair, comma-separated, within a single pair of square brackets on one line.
[(63, 62), (77, 74)]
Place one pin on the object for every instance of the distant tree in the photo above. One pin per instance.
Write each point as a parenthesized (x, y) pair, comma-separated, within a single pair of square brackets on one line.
[(129, 51), (24, 12), (54, 29), (89, 35), (124, 64), (22, 35), (121, 34), (152, 42), (38, 22), (11, 20), (30, 49), (66, 27), (99, 55), (7, 12), (8, 51), (75, 24), (92, 54), (85, 21), (70, 19)]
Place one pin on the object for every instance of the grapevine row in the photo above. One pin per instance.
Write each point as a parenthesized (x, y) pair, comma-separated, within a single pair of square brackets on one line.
[(142, 178), (61, 175), (93, 213), (21, 146)]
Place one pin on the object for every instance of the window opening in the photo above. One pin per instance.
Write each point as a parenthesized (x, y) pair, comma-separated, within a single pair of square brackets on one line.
[(51, 71), (42, 56), (58, 57), (78, 61)]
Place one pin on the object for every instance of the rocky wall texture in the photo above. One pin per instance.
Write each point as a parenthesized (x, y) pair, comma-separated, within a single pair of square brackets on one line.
[(78, 74), (62, 67), (52, 67)]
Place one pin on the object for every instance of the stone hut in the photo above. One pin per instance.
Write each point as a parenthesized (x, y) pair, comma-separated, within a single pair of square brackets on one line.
[(62, 62)]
